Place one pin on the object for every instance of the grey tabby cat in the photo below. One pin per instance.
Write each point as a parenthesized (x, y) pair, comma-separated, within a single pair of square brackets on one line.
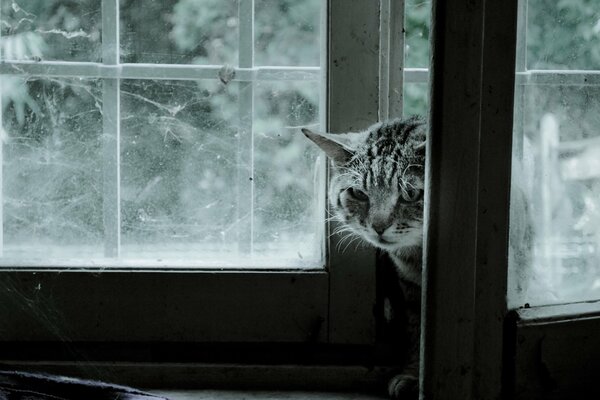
[(377, 191)]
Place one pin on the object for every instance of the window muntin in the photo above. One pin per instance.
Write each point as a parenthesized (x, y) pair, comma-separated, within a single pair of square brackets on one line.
[(556, 151), (198, 165)]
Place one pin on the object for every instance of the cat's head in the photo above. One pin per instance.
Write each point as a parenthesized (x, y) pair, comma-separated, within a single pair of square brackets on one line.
[(377, 184)]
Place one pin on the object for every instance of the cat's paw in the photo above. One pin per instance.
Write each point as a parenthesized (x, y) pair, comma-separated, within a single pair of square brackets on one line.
[(404, 386)]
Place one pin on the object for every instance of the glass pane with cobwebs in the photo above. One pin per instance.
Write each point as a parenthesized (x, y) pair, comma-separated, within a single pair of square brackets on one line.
[(179, 169), (51, 170), (174, 172), (51, 30), (288, 173)]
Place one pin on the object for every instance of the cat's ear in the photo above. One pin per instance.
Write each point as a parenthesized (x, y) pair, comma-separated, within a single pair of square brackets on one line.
[(335, 150)]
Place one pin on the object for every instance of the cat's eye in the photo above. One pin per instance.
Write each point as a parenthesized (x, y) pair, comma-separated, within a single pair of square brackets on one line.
[(358, 194), (410, 195)]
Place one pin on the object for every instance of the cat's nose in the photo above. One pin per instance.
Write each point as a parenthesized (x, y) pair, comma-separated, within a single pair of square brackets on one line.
[(380, 227)]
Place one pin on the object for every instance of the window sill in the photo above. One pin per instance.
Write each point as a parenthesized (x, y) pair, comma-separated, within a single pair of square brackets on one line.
[(262, 395), (185, 381)]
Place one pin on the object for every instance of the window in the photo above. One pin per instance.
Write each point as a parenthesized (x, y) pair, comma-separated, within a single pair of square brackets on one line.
[(148, 200), (319, 297), (556, 139), (135, 144), (554, 278)]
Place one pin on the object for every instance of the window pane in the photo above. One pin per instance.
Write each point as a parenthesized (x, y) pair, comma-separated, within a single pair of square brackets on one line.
[(179, 31), (179, 171), (206, 173), (51, 30), (416, 40), (288, 173), (555, 217), (287, 32), (563, 34), (415, 99), (51, 170)]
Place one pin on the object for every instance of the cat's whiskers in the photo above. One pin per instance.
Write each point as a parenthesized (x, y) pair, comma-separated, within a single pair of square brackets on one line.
[(356, 237), (349, 238), (340, 230)]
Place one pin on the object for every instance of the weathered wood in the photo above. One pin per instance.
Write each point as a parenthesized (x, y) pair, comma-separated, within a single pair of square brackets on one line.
[(353, 83), (82, 306), (469, 152), (493, 198), (558, 352), (189, 376)]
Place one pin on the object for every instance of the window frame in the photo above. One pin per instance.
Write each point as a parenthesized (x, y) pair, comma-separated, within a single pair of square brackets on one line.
[(471, 121), (473, 346), (330, 305), (468, 185)]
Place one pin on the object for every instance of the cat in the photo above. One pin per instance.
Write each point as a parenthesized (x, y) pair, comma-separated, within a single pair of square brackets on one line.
[(376, 190)]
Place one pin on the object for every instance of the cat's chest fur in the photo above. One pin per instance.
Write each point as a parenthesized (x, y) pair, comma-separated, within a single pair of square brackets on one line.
[(408, 264)]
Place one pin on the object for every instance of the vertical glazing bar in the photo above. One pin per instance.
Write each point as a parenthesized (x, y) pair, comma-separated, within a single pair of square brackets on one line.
[(391, 58), (396, 58), (2, 134), (353, 104), (111, 130), (384, 61), (245, 184), (321, 182), (521, 66)]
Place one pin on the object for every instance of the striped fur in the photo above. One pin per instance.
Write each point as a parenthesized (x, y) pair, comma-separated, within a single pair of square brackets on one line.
[(376, 191)]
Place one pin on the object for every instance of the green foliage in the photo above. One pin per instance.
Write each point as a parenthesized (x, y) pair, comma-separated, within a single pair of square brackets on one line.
[(181, 149)]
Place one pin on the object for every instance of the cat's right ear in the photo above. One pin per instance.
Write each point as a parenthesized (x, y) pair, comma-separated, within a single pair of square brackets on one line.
[(334, 150)]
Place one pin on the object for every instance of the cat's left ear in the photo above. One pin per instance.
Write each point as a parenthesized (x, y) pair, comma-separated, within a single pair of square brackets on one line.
[(335, 150)]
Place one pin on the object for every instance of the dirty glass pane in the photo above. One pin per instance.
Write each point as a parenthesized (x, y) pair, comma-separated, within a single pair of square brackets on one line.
[(55, 30), (555, 204), (563, 34), (417, 19), (179, 31), (51, 170), (415, 99), (287, 32), (179, 170), (212, 173), (288, 173)]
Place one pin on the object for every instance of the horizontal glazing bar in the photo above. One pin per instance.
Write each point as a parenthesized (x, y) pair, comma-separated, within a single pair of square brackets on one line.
[(194, 72), (177, 72), (416, 75), (558, 77), (163, 71)]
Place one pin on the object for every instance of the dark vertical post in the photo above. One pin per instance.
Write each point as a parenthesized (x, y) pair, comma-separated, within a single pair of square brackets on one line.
[(468, 172)]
